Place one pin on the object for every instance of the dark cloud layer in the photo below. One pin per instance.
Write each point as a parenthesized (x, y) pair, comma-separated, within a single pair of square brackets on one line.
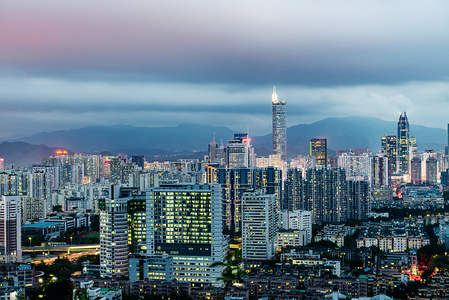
[(67, 64)]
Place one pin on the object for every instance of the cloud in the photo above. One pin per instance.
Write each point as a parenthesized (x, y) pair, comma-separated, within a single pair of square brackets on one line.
[(252, 42)]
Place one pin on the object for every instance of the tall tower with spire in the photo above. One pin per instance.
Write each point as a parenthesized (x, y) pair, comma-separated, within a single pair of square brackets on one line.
[(279, 126), (403, 144)]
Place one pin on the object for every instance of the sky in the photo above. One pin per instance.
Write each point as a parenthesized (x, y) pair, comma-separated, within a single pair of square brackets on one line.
[(70, 64)]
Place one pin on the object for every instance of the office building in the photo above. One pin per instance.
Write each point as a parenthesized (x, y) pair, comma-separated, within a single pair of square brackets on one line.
[(114, 249), (297, 220), (137, 223), (326, 195), (403, 144), (279, 126), (259, 228), (318, 149), (389, 146), (239, 152), (150, 267), (10, 229), (415, 170), (185, 221)]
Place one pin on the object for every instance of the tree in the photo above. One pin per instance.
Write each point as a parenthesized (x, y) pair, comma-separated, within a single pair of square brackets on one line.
[(232, 270)]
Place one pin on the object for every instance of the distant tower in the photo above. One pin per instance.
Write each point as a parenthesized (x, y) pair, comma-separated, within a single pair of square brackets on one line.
[(318, 148), (279, 126), (403, 144)]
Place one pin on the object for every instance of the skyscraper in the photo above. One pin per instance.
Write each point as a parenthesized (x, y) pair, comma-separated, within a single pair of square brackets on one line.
[(279, 126), (389, 146), (318, 148), (403, 144)]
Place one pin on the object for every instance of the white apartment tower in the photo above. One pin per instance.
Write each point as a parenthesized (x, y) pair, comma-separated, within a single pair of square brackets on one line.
[(259, 227), (114, 248), (10, 229)]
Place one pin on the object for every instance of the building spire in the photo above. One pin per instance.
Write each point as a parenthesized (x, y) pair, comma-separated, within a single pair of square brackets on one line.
[(274, 97)]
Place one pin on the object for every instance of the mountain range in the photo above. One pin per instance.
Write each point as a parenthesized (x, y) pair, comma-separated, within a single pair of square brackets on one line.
[(342, 133)]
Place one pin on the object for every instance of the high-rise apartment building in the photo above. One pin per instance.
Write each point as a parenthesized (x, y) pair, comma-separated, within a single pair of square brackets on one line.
[(114, 249), (279, 126), (403, 144), (234, 182), (185, 221), (358, 199), (326, 195), (431, 170), (380, 171), (293, 190), (389, 146), (355, 165), (415, 170), (318, 149), (10, 229), (259, 228)]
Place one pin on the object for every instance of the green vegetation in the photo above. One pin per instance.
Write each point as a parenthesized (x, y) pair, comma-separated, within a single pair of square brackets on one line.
[(232, 271), (57, 284)]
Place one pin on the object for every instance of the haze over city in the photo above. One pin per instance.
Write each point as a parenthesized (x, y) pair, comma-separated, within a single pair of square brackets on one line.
[(67, 65)]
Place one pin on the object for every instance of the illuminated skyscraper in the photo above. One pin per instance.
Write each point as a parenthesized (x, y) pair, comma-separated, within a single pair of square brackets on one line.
[(185, 221), (389, 145), (318, 148), (403, 144), (279, 126)]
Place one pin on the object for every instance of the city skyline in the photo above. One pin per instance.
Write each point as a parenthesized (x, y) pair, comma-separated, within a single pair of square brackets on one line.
[(67, 66)]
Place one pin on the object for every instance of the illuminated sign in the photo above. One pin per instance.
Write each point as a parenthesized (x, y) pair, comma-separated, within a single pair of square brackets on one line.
[(61, 152), (246, 140)]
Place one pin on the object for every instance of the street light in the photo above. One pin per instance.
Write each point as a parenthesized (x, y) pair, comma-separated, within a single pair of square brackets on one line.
[(71, 238), (30, 241)]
